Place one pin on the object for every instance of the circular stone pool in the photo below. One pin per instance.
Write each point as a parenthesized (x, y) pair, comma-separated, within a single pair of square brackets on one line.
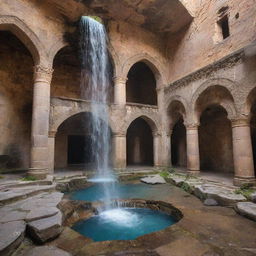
[(123, 224)]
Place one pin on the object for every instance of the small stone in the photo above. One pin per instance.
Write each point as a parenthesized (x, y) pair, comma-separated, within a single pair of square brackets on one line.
[(47, 251), (247, 209), (210, 202), (156, 179), (11, 236), (45, 229)]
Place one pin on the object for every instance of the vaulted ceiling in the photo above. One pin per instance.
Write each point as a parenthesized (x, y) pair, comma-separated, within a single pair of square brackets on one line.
[(158, 16)]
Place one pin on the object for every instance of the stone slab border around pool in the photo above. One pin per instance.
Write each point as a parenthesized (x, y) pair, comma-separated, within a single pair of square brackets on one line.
[(214, 193), (75, 210)]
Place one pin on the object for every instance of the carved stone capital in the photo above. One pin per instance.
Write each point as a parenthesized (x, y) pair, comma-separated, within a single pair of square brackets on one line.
[(52, 134), (118, 134), (119, 80), (191, 126), (42, 74), (240, 122), (156, 134), (169, 133)]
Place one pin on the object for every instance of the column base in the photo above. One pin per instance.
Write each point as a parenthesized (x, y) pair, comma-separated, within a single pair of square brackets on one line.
[(38, 173), (194, 172), (239, 181)]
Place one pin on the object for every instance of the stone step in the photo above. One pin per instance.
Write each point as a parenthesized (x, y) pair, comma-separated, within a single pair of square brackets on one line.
[(45, 229), (36, 207), (25, 183), (8, 196)]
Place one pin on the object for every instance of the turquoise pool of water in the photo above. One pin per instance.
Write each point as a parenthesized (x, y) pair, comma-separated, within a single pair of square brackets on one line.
[(119, 190), (123, 224)]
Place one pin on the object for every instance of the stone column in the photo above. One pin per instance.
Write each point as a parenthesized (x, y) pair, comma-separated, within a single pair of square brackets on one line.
[(156, 149), (242, 152), (51, 151), (40, 122), (166, 149), (193, 157), (120, 90), (119, 151)]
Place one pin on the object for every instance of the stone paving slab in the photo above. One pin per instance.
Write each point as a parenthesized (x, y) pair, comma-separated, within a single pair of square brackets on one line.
[(224, 196), (11, 236), (46, 251), (153, 179), (41, 212), (247, 209), (8, 215), (13, 194)]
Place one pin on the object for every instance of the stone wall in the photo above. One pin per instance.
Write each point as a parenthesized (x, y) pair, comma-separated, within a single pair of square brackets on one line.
[(185, 64), (199, 44), (16, 73)]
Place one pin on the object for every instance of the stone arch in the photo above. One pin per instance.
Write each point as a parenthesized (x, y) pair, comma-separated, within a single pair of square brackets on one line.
[(27, 36), (62, 118), (151, 62), (251, 98), (176, 112), (221, 86), (152, 122), (114, 58), (55, 49), (140, 145), (74, 141), (176, 106)]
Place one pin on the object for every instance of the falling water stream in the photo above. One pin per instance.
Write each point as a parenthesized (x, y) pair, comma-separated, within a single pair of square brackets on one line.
[(95, 84)]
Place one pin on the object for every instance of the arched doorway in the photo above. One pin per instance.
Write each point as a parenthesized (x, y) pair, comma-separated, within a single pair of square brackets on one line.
[(141, 85), (73, 143), (16, 97), (179, 144), (176, 112), (215, 130), (215, 140), (139, 143)]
